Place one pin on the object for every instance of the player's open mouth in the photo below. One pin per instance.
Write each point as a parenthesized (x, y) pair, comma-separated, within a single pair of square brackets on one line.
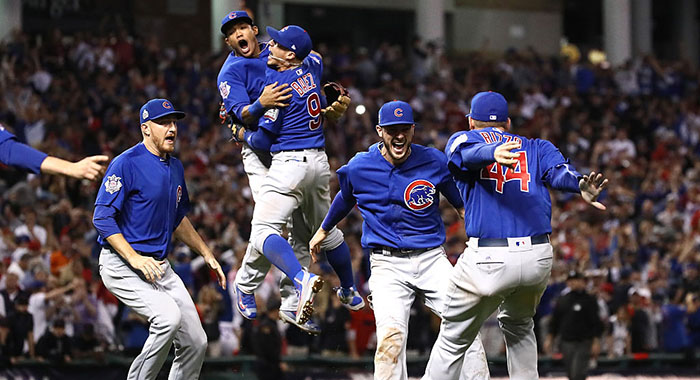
[(170, 139), (398, 148), (244, 46)]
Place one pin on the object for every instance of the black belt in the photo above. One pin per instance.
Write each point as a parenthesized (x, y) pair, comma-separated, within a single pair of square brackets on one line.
[(301, 150), (390, 251), (537, 239), (111, 249)]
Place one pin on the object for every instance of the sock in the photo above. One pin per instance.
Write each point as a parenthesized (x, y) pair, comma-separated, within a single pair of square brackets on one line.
[(339, 258), (281, 255)]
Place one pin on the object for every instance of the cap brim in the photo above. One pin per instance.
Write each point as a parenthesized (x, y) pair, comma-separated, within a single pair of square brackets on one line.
[(178, 115), (397, 122), (275, 36), (235, 21)]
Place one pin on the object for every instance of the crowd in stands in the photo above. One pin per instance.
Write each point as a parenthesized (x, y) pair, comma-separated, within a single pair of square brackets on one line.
[(78, 95)]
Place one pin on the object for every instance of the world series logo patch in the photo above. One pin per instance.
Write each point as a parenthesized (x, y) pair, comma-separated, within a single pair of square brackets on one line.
[(419, 194), (113, 184)]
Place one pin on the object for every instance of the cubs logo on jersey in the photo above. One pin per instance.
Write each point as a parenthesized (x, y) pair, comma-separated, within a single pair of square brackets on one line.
[(419, 194), (179, 193)]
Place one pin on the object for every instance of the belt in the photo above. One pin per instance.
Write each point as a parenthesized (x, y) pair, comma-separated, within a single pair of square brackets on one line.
[(537, 239), (390, 251), (111, 249), (305, 149)]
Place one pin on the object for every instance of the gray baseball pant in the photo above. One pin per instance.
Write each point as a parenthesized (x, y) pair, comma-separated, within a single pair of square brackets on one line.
[(487, 278), (168, 307)]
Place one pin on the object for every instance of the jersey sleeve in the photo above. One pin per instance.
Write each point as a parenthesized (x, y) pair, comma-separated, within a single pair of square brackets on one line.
[(345, 182), (468, 151), (555, 170), (14, 153), (447, 185), (183, 206), (271, 121), (315, 64), (115, 185), (233, 91)]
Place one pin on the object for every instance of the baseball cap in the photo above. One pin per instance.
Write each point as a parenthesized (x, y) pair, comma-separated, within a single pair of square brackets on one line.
[(395, 112), (293, 38), (234, 17), (489, 106), (575, 275), (157, 108)]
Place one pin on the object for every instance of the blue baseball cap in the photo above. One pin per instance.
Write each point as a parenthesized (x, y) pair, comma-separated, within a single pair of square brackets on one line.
[(395, 112), (157, 108), (293, 38), (489, 106), (234, 17)]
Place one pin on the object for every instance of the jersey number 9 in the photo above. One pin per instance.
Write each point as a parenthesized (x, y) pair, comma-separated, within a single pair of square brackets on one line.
[(313, 106)]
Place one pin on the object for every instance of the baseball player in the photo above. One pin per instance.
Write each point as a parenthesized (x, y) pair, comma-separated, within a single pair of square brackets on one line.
[(503, 180), (141, 205), (14, 153), (241, 80), (397, 187), (299, 174)]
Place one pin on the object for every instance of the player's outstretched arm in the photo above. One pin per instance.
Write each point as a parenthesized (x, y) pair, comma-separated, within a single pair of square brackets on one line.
[(591, 186), (340, 208), (90, 168), (186, 233)]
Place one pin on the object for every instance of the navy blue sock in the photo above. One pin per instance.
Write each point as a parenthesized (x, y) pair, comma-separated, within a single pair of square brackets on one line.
[(281, 255), (339, 258)]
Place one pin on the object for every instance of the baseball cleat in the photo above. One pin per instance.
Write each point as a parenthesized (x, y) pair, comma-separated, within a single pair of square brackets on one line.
[(350, 298), (309, 327), (308, 285), (245, 303)]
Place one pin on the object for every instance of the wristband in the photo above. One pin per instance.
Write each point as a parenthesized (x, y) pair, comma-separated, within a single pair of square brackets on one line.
[(256, 109)]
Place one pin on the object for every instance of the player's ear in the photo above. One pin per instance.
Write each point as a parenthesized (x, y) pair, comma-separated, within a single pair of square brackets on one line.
[(145, 129), (379, 131), (471, 123), (255, 30), (508, 125)]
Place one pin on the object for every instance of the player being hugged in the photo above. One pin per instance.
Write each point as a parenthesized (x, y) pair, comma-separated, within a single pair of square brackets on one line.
[(299, 174), (141, 205), (503, 179), (397, 187)]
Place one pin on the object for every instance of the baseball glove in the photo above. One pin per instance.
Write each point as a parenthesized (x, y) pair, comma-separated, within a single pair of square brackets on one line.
[(237, 129), (338, 100)]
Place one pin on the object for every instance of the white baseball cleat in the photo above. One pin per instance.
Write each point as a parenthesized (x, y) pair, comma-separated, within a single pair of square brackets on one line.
[(308, 285), (310, 327)]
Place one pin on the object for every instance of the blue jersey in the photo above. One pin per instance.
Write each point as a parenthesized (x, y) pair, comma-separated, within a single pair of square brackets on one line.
[(502, 202), (297, 126), (400, 205), (147, 197), (241, 80), (14, 153)]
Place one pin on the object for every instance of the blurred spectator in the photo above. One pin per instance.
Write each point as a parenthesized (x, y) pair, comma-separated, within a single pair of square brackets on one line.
[(267, 343), (11, 293), (31, 228), (6, 350), (55, 345), (87, 344), (619, 342), (21, 329)]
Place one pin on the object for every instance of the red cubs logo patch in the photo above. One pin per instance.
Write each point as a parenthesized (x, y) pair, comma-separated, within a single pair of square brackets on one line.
[(398, 112), (166, 104), (419, 194)]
